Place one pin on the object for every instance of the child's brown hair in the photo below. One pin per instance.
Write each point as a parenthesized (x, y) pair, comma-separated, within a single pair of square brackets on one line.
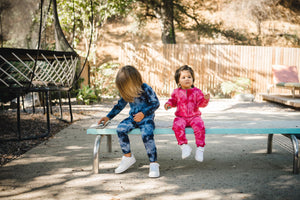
[(184, 68), (129, 83)]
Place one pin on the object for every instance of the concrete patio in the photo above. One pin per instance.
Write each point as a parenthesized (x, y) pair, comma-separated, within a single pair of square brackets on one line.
[(234, 167)]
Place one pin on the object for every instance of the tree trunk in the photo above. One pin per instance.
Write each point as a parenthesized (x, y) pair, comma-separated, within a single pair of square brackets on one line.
[(165, 15)]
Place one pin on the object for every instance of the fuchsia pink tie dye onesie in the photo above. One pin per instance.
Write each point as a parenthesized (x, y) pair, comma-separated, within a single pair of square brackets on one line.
[(188, 114)]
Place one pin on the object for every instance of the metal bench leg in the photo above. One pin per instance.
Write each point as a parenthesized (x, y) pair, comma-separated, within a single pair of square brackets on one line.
[(270, 141), (293, 92), (96, 154), (296, 163), (109, 144)]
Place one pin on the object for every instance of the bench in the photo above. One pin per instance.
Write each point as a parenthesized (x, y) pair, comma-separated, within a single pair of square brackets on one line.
[(286, 77), (286, 128)]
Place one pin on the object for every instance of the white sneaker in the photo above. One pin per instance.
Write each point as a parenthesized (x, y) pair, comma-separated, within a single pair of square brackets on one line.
[(126, 162), (199, 154), (154, 170), (186, 151)]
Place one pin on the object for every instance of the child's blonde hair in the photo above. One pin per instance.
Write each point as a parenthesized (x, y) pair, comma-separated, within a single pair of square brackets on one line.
[(129, 83)]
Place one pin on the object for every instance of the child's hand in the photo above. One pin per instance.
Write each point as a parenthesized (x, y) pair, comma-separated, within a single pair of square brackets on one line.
[(104, 120), (167, 106), (138, 117), (207, 96)]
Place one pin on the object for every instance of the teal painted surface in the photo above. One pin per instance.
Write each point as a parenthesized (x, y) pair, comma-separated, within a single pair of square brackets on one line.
[(158, 131)]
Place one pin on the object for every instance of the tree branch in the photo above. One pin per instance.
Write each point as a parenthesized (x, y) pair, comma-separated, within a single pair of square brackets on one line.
[(183, 10)]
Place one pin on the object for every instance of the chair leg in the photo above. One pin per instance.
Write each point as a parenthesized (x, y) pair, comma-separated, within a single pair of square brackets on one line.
[(70, 106), (293, 92), (18, 118), (60, 105), (47, 111), (33, 103)]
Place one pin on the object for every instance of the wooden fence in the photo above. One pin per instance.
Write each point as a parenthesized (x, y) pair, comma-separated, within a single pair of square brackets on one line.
[(213, 64)]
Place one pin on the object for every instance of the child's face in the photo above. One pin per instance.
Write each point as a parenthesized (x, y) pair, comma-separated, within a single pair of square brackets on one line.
[(185, 80)]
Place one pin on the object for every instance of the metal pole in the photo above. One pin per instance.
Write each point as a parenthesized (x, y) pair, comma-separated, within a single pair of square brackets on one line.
[(47, 108), (70, 106), (296, 164), (96, 154), (60, 108), (18, 117), (270, 140), (109, 144)]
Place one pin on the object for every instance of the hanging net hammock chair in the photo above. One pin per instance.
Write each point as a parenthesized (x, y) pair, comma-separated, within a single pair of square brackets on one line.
[(52, 71), (26, 63)]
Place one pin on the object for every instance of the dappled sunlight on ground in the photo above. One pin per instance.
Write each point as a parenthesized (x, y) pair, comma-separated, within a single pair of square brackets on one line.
[(234, 167)]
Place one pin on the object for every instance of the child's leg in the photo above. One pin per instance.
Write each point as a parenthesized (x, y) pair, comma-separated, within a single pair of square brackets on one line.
[(147, 128), (199, 130), (123, 128), (179, 125), (127, 160)]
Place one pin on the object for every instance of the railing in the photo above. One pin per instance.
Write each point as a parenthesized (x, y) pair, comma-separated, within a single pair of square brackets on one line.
[(213, 64)]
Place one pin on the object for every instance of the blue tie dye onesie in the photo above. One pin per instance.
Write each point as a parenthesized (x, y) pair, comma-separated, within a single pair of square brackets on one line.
[(147, 103)]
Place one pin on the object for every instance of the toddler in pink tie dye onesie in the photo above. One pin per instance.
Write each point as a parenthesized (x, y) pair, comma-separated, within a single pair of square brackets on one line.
[(188, 99)]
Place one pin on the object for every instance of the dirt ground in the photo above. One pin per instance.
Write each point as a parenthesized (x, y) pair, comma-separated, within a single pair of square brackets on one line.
[(32, 125)]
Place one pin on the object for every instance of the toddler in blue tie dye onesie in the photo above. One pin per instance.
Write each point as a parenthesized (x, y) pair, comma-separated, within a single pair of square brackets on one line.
[(143, 103)]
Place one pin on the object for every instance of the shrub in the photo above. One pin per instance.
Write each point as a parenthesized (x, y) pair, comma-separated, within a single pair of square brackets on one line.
[(86, 95), (103, 79), (238, 86)]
